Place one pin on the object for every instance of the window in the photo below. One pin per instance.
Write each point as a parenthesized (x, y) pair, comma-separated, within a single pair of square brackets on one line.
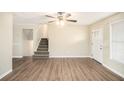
[(117, 41)]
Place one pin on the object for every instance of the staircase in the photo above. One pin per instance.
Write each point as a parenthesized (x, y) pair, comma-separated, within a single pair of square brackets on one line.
[(42, 50)]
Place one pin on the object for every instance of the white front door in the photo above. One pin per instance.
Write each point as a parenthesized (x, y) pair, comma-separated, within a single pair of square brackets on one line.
[(97, 45)]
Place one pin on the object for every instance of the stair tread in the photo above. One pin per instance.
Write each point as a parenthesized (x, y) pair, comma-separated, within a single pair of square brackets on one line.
[(40, 57), (43, 45), (41, 53), (42, 50)]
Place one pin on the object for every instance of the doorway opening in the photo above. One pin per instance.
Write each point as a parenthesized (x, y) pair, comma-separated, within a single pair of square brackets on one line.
[(27, 42)]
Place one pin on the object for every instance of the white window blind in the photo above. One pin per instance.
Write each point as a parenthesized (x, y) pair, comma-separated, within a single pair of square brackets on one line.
[(117, 41)]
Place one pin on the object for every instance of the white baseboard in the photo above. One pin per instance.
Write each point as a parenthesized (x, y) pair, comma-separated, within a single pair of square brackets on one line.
[(4, 74), (69, 56), (91, 57), (17, 56), (116, 72)]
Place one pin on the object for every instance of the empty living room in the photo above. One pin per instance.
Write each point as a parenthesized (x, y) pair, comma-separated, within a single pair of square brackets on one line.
[(62, 46)]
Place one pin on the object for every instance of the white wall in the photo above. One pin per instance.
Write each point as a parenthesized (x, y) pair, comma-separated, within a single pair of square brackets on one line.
[(68, 40), (37, 35), (18, 39), (44, 31), (6, 29)]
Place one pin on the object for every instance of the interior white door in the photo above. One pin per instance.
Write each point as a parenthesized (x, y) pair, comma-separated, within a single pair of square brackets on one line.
[(97, 45)]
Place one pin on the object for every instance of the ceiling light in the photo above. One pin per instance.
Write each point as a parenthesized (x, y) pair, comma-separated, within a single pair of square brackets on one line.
[(57, 22)]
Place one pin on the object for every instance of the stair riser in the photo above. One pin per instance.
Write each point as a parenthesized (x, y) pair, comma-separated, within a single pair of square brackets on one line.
[(41, 56), (44, 39), (44, 49), (42, 53), (42, 46), (45, 43)]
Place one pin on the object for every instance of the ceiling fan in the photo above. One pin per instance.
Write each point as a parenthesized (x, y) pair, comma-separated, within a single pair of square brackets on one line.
[(61, 17)]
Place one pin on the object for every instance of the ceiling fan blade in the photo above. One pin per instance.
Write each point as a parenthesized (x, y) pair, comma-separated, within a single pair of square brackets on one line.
[(49, 16), (71, 20), (51, 21)]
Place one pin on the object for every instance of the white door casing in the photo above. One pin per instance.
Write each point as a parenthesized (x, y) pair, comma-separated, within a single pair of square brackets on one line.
[(97, 45)]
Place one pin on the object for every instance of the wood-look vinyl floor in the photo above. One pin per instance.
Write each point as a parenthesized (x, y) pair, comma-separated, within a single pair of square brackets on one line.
[(60, 69)]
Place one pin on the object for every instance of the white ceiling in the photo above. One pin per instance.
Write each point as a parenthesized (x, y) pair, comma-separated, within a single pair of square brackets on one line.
[(83, 18)]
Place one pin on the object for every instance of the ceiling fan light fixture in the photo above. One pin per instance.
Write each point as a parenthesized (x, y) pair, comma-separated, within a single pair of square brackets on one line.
[(57, 22), (61, 18), (60, 22)]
